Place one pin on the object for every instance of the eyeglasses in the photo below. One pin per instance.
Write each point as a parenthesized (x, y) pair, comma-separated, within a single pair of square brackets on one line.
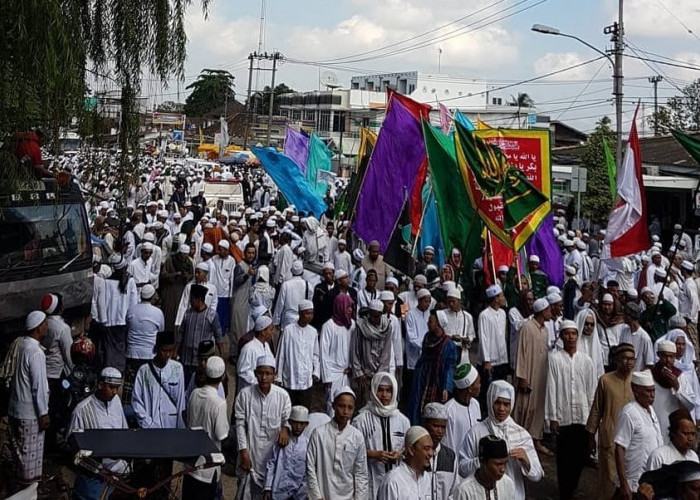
[(628, 360), (588, 324)]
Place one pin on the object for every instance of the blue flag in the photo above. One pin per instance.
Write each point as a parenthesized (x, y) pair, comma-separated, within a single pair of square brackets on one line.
[(294, 186)]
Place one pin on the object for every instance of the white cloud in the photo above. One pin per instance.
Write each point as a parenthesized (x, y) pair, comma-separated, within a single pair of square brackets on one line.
[(555, 61), (657, 18)]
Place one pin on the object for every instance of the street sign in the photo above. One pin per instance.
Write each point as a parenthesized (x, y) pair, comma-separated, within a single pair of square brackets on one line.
[(579, 178)]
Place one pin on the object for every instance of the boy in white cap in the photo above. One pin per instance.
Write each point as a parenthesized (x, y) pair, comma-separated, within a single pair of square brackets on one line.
[(358, 274), (371, 350), (492, 358), (298, 356), (571, 385), (443, 464), (463, 410), (460, 324), (101, 410), (673, 388), (257, 347), (389, 299), (416, 329), (336, 461), (409, 479), (539, 281), (205, 409), (262, 413), (221, 275), (285, 475), (634, 334), (292, 292), (29, 402), (637, 434), (531, 372), (341, 257)]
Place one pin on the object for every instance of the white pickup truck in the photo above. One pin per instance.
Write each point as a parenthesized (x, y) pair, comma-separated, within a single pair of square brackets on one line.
[(231, 192)]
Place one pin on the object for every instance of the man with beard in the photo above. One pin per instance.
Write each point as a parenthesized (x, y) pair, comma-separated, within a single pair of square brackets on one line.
[(409, 479), (610, 325), (176, 273), (370, 350), (244, 276), (323, 309)]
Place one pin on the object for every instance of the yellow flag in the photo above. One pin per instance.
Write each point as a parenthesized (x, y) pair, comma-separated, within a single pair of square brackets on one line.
[(482, 125)]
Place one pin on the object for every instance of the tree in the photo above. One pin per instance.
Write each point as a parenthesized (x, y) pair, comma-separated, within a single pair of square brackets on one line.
[(209, 91), (596, 202), (681, 112), (170, 107), (261, 100), (522, 101)]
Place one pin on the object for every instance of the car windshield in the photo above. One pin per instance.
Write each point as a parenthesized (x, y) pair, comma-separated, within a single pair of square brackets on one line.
[(46, 236)]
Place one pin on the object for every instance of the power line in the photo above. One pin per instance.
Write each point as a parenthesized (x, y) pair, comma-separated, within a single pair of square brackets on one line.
[(680, 21)]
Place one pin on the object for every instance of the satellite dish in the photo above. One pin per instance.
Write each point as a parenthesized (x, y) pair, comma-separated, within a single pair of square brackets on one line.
[(329, 79)]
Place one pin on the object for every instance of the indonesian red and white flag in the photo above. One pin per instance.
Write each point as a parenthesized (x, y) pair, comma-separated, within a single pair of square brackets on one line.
[(627, 231)]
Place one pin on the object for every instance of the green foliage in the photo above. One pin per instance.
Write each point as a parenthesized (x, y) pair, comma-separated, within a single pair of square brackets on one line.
[(682, 112), (209, 91), (170, 107), (261, 100), (596, 202)]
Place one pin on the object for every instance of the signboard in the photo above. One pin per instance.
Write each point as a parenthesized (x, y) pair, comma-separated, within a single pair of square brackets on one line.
[(529, 151), (579, 179), (178, 135), (168, 119)]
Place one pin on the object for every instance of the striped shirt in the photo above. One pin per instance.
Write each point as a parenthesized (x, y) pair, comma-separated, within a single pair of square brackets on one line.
[(197, 326)]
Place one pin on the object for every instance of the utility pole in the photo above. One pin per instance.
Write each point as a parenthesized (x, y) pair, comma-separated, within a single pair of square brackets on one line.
[(248, 103), (654, 80), (275, 57), (616, 32)]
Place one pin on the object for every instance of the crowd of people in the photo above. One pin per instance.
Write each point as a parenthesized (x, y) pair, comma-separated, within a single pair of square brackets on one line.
[(436, 385)]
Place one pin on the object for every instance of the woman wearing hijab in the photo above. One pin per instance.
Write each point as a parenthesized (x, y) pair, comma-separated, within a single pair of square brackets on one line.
[(336, 335), (262, 294), (434, 373), (516, 317), (523, 461), (384, 427), (685, 357), (588, 342)]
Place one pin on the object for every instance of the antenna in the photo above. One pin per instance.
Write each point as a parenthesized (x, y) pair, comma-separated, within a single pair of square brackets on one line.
[(329, 79)]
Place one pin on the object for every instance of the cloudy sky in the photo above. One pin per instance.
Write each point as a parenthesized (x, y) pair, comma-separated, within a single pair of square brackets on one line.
[(482, 39)]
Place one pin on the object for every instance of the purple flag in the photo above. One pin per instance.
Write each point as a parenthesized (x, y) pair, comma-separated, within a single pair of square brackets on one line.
[(391, 175), (544, 244), (296, 147)]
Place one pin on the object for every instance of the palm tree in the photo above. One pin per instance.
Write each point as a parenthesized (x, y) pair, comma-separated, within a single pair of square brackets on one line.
[(522, 101)]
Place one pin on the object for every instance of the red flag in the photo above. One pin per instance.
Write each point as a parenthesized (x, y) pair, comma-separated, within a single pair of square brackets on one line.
[(498, 253), (417, 109), (627, 231)]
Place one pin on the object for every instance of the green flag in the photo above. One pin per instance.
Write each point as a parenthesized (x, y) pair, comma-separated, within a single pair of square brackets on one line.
[(319, 159), (496, 177), (347, 201), (612, 169), (459, 225), (690, 144)]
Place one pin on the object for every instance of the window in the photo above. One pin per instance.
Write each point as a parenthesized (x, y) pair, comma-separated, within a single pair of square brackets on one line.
[(309, 115), (324, 124)]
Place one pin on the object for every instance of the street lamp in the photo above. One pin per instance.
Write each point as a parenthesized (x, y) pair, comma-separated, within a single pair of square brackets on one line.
[(617, 78)]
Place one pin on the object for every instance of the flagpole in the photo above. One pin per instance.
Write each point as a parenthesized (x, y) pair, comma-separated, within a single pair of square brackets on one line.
[(490, 247), (420, 224)]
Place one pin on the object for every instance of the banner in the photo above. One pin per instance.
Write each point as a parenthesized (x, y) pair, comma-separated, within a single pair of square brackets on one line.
[(528, 151), (168, 119)]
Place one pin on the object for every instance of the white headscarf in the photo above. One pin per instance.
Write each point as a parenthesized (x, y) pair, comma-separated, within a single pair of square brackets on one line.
[(685, 363), (499, 389), (374, 405), (590, 344)]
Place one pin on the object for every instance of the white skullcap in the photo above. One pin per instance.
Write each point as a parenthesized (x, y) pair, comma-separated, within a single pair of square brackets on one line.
[(149, 237), (184, 249), (266, 360), (177, 215), (376, 305), (111, 376), (340, 274), (568, 324), (442, 318), (540, 305), (328, 266), (645, 258), (208, 248), (666, 346), (554, 298), (203, 266), (677, 227), (262, 322), (534, 258), (643, 379), (453, 293), (493, 291), (147, 246), (687, 265), (608, 298), (569, 243), (344, 390), (429, 249), (147, 292), (423, 292), (358, 254), (34, 319), (570, 234), (224, 244), (305, 305), (270, 222), (654, 238), (465, 375), (632, 293), (434, 411), (297, 268), (413, 434), (660, 273), (386, 295), (420, 279), (677, 321), (299, 414), (341, 241), (215, 367), (503, 269), (553, 289), (580, 245)]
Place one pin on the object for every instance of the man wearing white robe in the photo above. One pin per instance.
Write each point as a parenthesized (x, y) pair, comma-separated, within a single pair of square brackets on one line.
[(490, 478), (341, 257), (410, 478), (463, 410), (158, 397), (262, 413), (283, 260), (257, 347), (201, 277), (443, 463), (336, 335), (683, 433), (336, 460), (460, 324), (285, 476), (292, 292), (416, 328), (298, 355), (492, 358), (141, 269)]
